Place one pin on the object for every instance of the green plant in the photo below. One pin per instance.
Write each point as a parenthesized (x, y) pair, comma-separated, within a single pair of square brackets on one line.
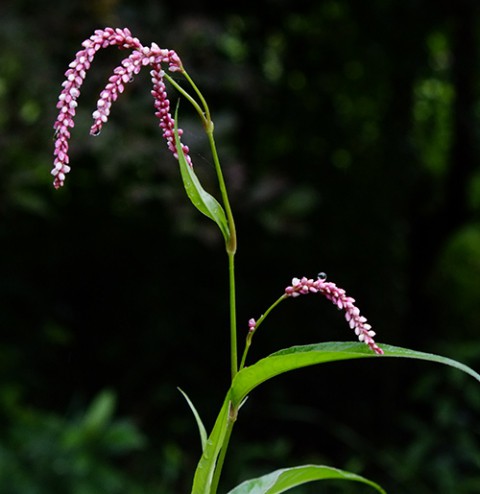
[(42, 452), (244, 379)]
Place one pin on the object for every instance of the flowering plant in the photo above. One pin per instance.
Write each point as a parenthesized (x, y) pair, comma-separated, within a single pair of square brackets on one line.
[(243, 378)]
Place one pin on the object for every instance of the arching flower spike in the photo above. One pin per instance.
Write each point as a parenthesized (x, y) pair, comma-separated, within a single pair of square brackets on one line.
[(303, 286)]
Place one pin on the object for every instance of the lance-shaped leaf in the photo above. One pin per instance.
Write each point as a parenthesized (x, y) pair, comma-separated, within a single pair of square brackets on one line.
[(201, 199), (202, 480), (288, 478), (201, 427), (302, 356)]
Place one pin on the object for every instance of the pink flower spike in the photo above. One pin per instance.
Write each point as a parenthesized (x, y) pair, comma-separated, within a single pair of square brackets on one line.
[(122, 75), (338, 297), (162, 105), (74, 77)]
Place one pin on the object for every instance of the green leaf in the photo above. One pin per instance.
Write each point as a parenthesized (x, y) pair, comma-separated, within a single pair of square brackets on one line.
[(288, 478), (301, 356), (200, 198), (100, 411), (201, 427), (202, 480)]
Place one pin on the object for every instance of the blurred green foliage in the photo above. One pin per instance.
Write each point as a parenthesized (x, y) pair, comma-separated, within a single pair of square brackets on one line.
[(349, 136), (43, 452)]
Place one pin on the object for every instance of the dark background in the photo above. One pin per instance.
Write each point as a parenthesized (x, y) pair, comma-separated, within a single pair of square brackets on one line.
[(348, 133)]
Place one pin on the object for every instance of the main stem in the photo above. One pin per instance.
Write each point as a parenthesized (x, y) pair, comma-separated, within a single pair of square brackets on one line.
[(233, 315), (231, 247)]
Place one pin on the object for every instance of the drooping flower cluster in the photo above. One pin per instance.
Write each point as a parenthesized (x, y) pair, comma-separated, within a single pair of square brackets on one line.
[(123, 74), (162, 106), (303, 286)]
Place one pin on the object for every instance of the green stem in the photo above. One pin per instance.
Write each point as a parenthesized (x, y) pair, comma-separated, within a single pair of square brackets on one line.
[(233, 316), (189, 98), (232, 242), (200, 96), (252, 332)]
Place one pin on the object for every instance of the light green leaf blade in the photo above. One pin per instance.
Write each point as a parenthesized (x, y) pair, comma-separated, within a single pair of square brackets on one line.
[(302, 356), (202, 480), (288, 478), (201, 427), (100, 412), (200, 198)]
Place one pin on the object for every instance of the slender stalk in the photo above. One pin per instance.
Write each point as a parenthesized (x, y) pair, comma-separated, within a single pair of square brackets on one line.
[(233, 316), (200, 96), (231, 246), (250, 334), (189, 98), (232, 242)]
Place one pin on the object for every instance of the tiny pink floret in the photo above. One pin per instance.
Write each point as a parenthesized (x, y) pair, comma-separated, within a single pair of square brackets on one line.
[(140, 57), (303, 286)]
